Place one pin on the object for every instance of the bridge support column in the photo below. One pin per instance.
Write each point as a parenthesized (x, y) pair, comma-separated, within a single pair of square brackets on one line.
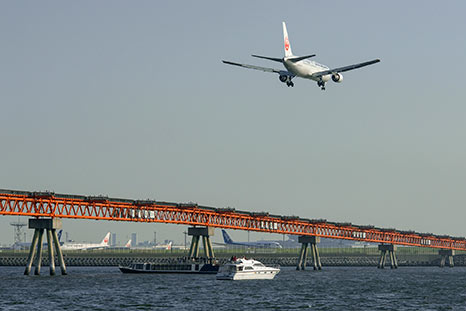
[(446, 253), (197, 233), (391, 249), (59, 252), (50, 250), (38, 260), (305, 240), (47, 226)]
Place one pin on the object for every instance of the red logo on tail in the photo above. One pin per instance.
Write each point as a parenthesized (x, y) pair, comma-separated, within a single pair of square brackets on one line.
[(287, 43)]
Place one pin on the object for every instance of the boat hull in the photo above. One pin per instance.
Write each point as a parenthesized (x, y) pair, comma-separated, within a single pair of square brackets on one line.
[(255, 275), (171, 268)]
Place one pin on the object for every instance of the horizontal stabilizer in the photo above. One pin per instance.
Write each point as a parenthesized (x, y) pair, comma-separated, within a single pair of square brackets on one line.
[(299, 58), (280, 60)]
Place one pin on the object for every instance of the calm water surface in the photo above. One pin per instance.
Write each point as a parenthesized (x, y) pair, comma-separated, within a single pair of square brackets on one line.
[(342, 288)]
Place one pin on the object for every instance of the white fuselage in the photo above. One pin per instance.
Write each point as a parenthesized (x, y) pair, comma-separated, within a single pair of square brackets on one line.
[(257, 244), (82, 246), (306, 68)]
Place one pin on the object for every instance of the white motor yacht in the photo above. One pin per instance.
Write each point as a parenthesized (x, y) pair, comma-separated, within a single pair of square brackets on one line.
[(246, 269)]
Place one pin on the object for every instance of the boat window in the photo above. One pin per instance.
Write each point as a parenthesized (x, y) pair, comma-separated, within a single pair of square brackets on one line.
[(259, 265), (139, 266), (240, 268), (248, 268)]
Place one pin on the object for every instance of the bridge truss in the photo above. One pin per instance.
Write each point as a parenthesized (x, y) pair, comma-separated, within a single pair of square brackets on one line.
[(51, 205)]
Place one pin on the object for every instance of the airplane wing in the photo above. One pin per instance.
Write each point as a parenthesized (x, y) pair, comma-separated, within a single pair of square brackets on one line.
[(345, 68), (281, 72)]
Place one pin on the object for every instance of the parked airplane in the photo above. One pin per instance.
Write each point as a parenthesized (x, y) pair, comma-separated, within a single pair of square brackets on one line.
[(167, 246), (85, 246), (263, 244), (300, 66)]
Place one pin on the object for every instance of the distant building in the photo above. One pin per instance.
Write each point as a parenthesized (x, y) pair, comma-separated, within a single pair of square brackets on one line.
[(134, 238)]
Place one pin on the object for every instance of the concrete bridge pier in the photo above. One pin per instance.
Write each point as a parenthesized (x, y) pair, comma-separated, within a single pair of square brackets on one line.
[(47, 226), (302, 257), (305, 240), (444, 253), (197, 233), (51, 254), (38, 260), (391, 249)]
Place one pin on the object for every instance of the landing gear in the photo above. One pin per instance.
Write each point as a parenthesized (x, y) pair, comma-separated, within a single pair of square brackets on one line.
[(321, 84), (286, 79)]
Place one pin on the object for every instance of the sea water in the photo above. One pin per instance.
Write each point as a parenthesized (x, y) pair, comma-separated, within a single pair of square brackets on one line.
[(333, 288)]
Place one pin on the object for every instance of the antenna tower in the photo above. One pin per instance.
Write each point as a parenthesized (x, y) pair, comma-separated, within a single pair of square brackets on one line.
[(18, 228)]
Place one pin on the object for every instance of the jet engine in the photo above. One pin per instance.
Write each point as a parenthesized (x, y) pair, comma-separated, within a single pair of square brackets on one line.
[(337, 77), (284, 78)]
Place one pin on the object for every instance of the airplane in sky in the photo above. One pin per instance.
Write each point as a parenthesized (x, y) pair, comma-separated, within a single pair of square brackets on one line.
[(86, 246), (301, 66), (263, 244)]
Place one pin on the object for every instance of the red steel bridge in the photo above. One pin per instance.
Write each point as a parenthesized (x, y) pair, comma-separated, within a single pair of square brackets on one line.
[(52, 205)]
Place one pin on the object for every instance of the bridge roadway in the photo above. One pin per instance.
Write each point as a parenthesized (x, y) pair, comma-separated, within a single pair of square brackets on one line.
[(49, 204)]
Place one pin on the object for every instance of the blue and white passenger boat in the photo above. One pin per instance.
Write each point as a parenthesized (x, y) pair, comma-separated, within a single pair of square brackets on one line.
[(182, 267)]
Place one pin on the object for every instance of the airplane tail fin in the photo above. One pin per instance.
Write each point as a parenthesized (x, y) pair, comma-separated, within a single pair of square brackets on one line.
[(226, 237), (169, 246), (59, 235), (128, 244), (288, 52), (106, 239)]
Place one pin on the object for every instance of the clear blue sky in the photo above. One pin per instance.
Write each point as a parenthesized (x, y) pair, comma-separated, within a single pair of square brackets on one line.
[(130, 99)]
